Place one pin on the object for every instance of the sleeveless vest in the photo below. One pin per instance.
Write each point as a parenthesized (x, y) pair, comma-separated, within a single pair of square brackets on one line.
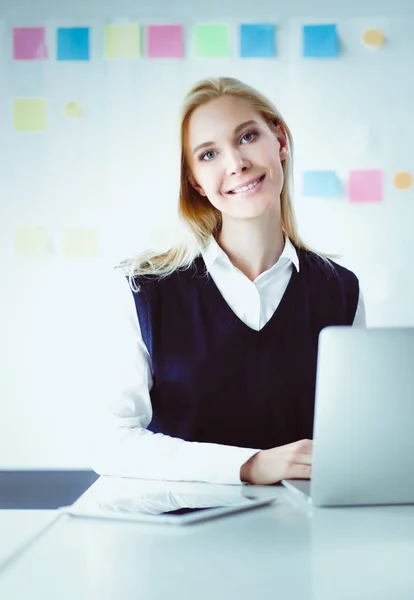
[(216, 379)]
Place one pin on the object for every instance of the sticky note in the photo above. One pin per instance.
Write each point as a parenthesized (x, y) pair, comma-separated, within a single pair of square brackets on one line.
[(257, 41), (212, 41), (322, 184), (161, 237), (123, 41), (320, 41), (365, 186), (372, 38), (73, 43), (80, 243), (165, 41), (30, 114), (33, 242), (403, 180), (73, 110), (29, 43)]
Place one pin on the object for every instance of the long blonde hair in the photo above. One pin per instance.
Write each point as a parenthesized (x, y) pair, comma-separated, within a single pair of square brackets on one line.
[(201, 218)]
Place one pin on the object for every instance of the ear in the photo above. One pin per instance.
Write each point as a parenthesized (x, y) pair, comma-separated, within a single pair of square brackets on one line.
[(282, 139), (198, 188), (283, 152)]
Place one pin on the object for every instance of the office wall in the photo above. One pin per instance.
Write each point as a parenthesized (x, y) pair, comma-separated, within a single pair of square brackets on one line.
[(99, 185)]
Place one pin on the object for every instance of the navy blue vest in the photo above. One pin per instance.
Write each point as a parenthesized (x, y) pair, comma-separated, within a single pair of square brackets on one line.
[(218, 380)]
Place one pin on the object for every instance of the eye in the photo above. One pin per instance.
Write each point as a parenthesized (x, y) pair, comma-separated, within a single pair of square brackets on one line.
[(249, 136), (206, 156)]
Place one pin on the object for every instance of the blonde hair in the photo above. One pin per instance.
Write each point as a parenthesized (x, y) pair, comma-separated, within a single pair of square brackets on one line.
[(201, 218)]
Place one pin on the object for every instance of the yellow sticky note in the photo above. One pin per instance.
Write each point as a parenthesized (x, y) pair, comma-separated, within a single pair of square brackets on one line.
[(30, 114), (73, 110), (80, 243), (161, 237), (33, 242), (123, 41)]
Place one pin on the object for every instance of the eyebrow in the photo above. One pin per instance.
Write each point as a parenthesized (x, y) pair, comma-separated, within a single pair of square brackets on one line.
[(236, 131)]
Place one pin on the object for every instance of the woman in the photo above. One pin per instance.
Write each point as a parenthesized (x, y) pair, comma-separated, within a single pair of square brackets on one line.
[(224, 331)]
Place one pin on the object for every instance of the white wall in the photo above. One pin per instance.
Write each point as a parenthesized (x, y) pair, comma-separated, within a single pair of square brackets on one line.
[(116, 171)]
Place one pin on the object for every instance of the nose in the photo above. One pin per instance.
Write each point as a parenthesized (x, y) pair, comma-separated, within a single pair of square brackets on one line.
[(236, 162)]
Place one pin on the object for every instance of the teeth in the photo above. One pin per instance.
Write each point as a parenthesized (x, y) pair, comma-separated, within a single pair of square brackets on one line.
[(245, 187)]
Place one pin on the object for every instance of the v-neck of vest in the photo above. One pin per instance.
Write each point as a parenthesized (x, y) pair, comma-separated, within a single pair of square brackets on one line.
[(226, 313)]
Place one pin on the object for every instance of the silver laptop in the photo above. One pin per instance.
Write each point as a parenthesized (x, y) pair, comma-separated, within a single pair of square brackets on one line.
[(363, 443)]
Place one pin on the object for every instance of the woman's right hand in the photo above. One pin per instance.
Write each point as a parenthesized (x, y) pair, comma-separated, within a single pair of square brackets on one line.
[(292, 461)]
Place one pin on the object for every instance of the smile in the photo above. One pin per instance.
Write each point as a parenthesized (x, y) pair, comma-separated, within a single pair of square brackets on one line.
[(247, 189)]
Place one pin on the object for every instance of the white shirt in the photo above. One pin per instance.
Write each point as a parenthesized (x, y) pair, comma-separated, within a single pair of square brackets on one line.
[(127, 448)]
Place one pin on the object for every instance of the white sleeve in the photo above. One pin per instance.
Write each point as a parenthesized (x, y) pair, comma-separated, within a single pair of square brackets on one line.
[(360, 318), (124, 447)]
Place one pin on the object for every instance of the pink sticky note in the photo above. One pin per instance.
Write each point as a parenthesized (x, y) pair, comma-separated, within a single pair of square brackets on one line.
[(29, 43), (165, 41), (365, 186)]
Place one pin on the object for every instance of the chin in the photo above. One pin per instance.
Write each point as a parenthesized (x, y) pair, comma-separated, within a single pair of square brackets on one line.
[(247, 214), (257, 209)]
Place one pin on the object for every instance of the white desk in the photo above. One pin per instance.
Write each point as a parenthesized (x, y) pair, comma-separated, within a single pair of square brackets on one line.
[(287, 550), (17, 527)]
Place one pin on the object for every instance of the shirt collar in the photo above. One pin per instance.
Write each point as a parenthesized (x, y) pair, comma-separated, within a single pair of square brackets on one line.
[(212, 252)]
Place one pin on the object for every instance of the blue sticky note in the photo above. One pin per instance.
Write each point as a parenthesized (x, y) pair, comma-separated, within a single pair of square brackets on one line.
[(73, 43), (320, 41), (322, 184), (257, 41)]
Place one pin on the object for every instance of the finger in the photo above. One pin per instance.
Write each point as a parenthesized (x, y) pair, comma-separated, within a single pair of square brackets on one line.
[(295, 452), (302, 459), (302, 445), (296, 471)]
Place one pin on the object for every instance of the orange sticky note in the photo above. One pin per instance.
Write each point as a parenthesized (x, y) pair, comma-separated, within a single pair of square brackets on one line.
[(365, 186), (403, 180)]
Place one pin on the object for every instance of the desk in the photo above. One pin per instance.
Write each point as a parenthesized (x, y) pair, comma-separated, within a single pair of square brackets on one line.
[(286, 550), (17, 527)]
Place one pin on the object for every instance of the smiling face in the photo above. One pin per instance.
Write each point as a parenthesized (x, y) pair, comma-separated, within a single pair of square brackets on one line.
[(235, 158)]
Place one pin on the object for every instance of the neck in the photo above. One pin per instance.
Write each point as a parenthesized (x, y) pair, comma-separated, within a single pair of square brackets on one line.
[(252, 248)]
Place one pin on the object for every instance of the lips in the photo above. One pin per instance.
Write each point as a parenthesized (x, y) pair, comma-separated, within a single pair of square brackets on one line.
[(258, 179)]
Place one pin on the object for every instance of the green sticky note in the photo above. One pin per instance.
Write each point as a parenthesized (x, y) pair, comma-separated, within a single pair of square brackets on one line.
[(123, 41), (212, 41), (30, 114)]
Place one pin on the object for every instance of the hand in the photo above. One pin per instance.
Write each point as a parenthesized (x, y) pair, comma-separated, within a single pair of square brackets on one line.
[(292, 461)]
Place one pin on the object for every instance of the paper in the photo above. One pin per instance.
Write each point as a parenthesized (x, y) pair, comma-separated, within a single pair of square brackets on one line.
[(80, 243), (320, 41), (73, 110), (321, 184), (212, 41), (403, 180), (165, 41), (373, 38), (73, 43), (161, 238), (30, 114), (29, 43), (123, 41), (33, 242), (365, 186), (257, 41)]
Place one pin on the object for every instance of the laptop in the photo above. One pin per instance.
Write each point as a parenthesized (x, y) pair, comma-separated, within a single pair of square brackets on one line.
[(363, 440)]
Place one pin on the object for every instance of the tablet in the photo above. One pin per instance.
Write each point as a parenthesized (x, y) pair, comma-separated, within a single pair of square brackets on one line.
[(166, 507)]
